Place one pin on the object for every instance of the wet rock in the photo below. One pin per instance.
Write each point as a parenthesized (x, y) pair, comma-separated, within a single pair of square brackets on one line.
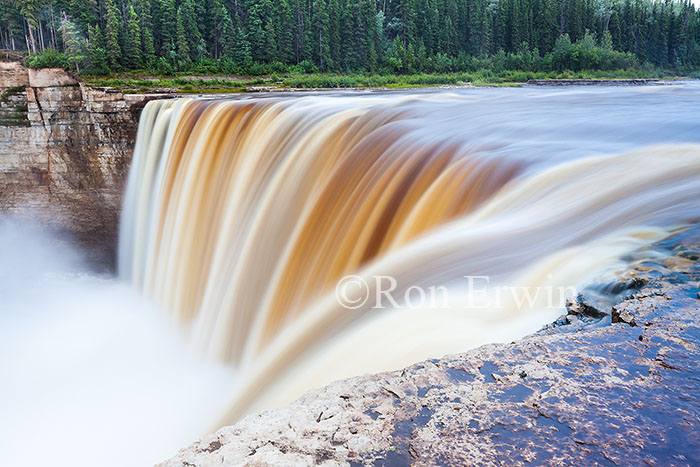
[(622, 317), (586, 306), (593, 82)]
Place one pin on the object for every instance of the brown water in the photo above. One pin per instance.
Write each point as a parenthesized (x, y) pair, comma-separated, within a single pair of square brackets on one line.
[(242, 215)]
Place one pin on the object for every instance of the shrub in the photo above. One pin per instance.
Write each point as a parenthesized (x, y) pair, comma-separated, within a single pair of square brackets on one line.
[(49, 58), (307, 66), (164, 67), (584, 54)]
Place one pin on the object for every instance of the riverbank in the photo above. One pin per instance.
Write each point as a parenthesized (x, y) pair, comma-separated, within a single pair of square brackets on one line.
[(607, 383), (216, 84)]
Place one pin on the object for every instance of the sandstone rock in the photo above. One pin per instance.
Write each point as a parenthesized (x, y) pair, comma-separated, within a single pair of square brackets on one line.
[(50, 77), (622, 317), (64, 154)]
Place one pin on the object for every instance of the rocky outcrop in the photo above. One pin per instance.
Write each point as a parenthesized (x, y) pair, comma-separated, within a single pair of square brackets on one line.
[(605, 385), (64, 154), (594, 82)]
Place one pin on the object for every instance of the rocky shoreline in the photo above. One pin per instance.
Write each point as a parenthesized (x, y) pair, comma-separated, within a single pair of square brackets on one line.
[(594, 82), (614, 382)]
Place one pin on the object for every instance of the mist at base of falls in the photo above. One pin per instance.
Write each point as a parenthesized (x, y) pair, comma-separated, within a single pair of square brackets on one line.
[(92, 374)]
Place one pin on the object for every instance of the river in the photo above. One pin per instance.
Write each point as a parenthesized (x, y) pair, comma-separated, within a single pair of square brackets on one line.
[(244, 217)]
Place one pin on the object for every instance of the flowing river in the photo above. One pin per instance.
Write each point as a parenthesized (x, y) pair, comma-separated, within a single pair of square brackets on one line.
[(273, 244)]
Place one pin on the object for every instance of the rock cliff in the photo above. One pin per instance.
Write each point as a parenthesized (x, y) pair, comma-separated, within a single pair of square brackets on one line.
[(64, 154)]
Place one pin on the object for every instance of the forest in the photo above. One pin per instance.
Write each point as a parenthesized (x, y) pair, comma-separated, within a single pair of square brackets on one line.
[(255, 37)]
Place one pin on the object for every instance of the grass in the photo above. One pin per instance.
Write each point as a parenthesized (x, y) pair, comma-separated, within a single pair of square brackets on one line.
[(12, 91), (137, 83), (12, 112)]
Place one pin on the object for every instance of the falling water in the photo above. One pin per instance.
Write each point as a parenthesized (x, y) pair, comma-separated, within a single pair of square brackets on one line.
[(242, 215)]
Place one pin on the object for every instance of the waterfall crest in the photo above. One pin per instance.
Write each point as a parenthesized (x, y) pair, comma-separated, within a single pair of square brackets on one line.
[(242, 215)]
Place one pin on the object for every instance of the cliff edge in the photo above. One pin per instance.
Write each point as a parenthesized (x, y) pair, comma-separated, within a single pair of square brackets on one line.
[(64, 154)]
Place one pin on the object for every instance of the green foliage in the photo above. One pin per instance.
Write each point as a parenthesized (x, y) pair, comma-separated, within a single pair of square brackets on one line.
[(351, 36), (111, 36), (50, 58), (305, 66), (145, 20), (98, 60), (132, 47), (73, 43), (584, 54), (167, 22), (183, 47), (294, 78), (195, 43)]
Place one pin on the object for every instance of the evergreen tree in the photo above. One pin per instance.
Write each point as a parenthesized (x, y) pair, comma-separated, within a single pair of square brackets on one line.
[(74, 45), (167, 19), (195, 43), (84, 13), (111, 35), (183, 48), (321, 35), (10, 25), (30, 11), (145, 19), (98, 59), (353, 35), (132, 49), (256, 31)]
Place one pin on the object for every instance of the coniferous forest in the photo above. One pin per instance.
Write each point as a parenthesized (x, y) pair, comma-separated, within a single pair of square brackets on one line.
[(391, 36)]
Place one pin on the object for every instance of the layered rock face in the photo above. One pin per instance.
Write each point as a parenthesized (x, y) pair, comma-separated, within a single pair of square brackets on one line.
[(64, 154)]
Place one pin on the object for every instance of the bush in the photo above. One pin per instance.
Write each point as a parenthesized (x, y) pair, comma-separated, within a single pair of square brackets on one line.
[(584, 54), (49, 58), (229, 66), (441, 63), (205, 66), (307, 66), (164, 67)]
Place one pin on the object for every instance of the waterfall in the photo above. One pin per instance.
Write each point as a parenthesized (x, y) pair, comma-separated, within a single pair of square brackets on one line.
[(241, 217)]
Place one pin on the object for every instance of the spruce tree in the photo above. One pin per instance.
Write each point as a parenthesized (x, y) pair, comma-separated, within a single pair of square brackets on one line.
[(168, 29), (111, 35), (30, 11), (183, 48), (143, 12), (195, 42), (133, 47), (98, 60), (73, 44), (353, 35)]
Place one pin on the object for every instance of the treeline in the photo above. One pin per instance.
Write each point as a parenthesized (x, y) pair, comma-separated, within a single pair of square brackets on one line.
[(404, 36)]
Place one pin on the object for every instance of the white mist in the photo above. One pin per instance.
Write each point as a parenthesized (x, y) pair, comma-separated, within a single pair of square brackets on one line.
[(91, 373)]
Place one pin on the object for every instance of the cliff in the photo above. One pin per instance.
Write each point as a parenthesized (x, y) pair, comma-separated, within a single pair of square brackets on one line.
[(611, 384), (64, 154)]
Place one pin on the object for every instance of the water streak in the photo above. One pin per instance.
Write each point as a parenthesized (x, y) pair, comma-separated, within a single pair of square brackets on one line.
[(242, 215)]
